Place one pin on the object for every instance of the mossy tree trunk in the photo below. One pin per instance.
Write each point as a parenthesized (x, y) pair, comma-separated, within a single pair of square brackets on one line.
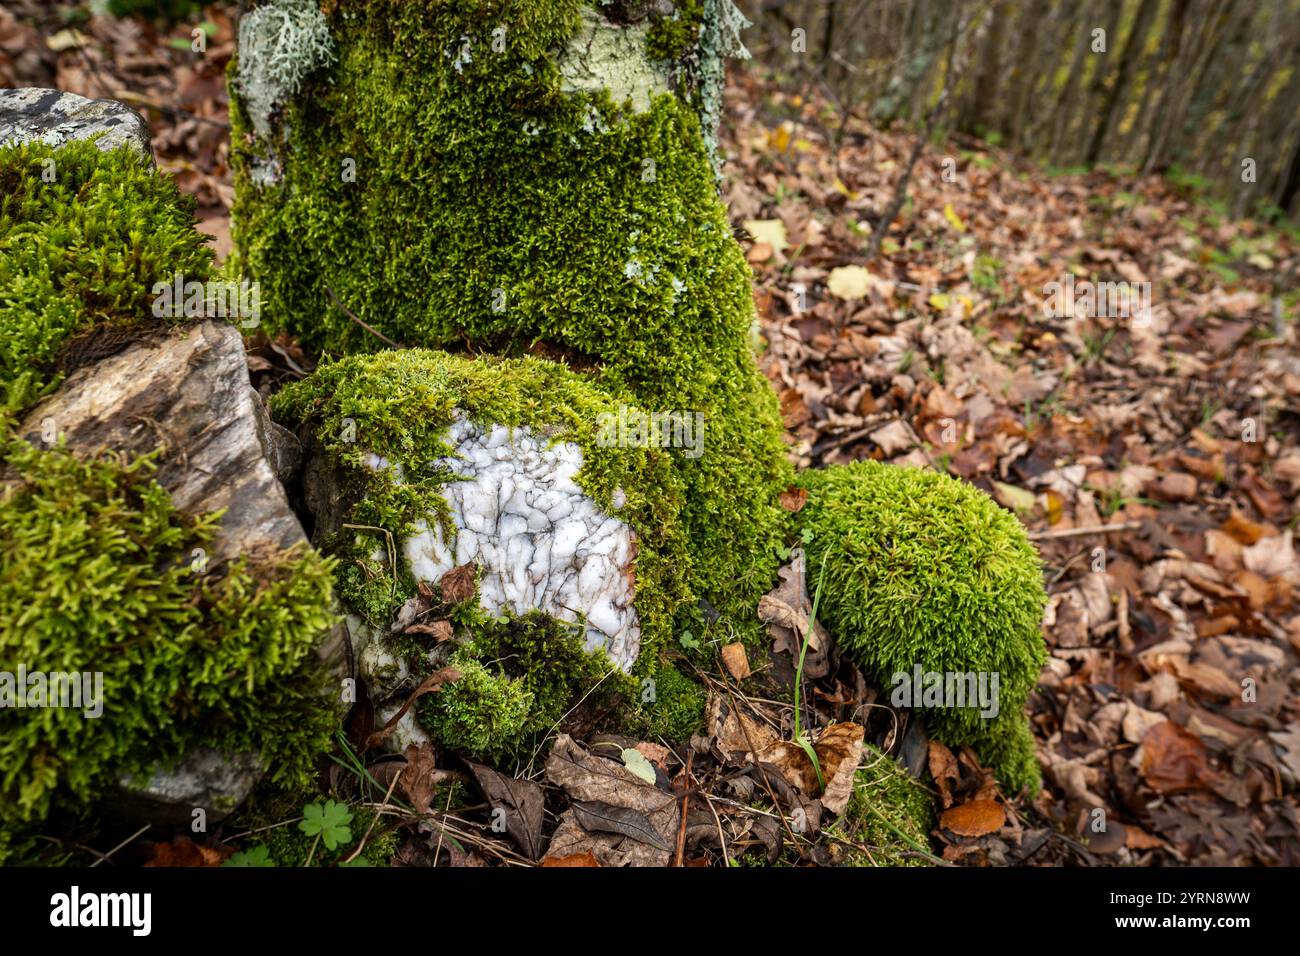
[(525, 176)]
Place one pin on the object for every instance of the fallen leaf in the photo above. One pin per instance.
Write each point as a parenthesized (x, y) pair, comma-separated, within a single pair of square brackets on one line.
[(638, 764), (974, 819), (184, 852), (458, 584), (585, 858), (1173, 760), (521, 802), (735, 660), (849, 282), (794, 498), (769, 231)]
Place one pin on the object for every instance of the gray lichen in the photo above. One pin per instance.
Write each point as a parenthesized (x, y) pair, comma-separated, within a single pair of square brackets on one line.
[(611, 56), (719, 39), (280, 44)]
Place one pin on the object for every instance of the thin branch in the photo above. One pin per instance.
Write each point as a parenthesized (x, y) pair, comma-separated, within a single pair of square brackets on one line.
[(359, 321)]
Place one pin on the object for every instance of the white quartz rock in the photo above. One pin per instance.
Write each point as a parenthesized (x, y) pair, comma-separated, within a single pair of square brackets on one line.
[(540, 542)]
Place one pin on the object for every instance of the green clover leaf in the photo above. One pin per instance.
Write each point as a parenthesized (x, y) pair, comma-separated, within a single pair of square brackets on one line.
[(330, 821)]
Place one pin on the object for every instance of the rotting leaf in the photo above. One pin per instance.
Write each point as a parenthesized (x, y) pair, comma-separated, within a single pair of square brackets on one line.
[(440, 631), (839, 752), (523, 805), (1173, 760), (944, 770), (589, 779), (604, 818), (459, 584)]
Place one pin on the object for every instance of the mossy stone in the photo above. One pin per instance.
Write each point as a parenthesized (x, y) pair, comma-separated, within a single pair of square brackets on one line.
[(84, 237), (96, 576), (923, 570)]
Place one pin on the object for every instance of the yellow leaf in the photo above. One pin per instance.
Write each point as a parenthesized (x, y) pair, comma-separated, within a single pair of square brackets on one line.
[(1017, 499), (954, 220), (850, 282), (770, 231), (939, 301), (66, 40), (778, 139)]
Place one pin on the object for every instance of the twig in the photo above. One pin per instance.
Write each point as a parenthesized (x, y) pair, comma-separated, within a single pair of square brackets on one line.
[(105, 856), (355, 318), (722, 836), (1078, 532), (375, 819), (686, 801), (931, 120), (442, 831)]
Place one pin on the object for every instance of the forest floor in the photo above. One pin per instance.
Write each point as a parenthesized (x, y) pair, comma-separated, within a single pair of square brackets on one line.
[(1156, 462)]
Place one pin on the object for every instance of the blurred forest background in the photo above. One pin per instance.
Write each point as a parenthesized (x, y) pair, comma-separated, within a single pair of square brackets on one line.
[(1188, 88)]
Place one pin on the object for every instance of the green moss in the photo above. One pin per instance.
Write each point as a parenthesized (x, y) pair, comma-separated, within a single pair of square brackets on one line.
[(675, 709), (924, 570), (520, 678), (95, 576), (271, 814), (889, 815), (491, 208), (398, 405), (154, 9), (82, 250), (483, 713), (673, 37), (288, 846)]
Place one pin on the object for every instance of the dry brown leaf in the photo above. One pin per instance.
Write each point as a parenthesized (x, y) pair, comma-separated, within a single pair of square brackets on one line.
[(184, 852), (944, 770), (735, 660), (458, 584), (794, 498), (974, 819), (585, 858), (1173, 760)]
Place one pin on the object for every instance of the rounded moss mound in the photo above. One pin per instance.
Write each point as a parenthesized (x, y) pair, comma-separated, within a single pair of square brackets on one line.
[(131, 656), (520, 677), (84, 237), (924, 573), (889, 816)]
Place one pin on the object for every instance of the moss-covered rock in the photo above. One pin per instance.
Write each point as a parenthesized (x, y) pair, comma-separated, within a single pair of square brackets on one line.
[(84, 237), (924, 572), (382, 425), (520, 678), (158, 652), (96, 577), (449, 181)]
